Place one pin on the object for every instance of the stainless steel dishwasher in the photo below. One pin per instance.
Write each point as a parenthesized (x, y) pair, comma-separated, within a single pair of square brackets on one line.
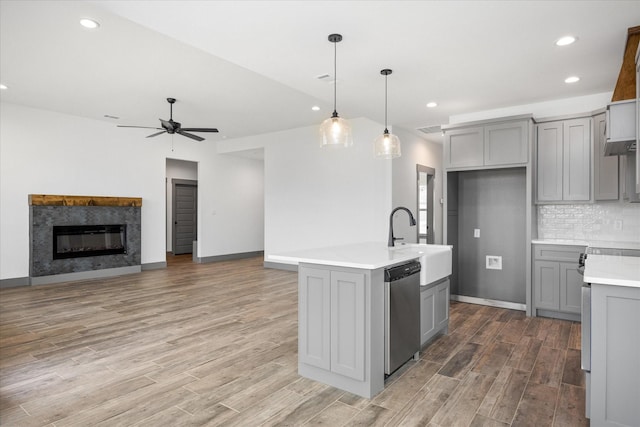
[(401, 314)]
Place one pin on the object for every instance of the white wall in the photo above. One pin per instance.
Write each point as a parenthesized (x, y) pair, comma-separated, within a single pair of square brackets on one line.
[(321, 197), (415, 150), (43, 152), (558, 107)]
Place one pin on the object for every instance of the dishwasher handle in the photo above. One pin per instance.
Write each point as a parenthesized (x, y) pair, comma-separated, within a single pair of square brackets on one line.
[(400, 271)]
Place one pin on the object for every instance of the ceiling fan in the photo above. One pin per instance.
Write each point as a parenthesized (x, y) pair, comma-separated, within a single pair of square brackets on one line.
[(171, 127)]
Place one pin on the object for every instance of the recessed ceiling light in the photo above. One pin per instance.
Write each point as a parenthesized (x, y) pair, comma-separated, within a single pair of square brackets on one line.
[(3, 87), (315, 108), (565, 41), (89, 23), (432, 104), (572, 79)]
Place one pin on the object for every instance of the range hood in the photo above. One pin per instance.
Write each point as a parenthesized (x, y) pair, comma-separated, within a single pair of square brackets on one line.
[(619, 148)]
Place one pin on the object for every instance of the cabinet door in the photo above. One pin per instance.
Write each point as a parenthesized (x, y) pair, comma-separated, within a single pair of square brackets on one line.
[(348, 299), (605, 167), (506, 143), (549, 161), (314, 302), (442, 305), (428, 322), (546, 283), (570, 288), (464, 147), (576, 160)]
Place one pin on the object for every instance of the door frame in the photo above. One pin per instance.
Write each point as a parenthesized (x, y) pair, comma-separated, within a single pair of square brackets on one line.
[(431, 174), (174, 183)]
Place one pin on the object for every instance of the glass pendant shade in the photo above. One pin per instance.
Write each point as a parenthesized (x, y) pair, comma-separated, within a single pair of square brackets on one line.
[(334, 132), (387, 146)]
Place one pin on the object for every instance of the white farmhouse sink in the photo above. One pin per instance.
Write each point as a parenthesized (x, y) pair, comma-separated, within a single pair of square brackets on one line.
[(435, 260)]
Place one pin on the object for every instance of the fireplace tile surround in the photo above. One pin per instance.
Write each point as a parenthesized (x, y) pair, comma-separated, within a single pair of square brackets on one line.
[(47, 211)]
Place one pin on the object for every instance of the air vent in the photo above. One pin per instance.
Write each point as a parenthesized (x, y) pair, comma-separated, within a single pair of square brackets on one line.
[(431, 129)]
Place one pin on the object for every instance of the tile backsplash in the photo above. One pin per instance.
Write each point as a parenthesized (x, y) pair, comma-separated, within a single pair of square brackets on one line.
[(612, 221)]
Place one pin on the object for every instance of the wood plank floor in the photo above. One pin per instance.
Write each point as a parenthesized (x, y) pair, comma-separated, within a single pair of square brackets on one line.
[(216, 344)]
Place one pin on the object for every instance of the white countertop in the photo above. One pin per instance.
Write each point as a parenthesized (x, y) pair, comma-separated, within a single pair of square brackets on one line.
[(612, 270), (369, 256), (592, 243)]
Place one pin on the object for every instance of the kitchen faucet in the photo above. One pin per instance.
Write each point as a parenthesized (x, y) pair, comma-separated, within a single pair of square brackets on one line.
[(412, 222)]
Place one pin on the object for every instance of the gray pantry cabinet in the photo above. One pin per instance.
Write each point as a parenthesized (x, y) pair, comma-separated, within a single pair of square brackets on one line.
[(563, 151), (341, 329), (556, 282), (615, 352), (489, 145), (434, 309)]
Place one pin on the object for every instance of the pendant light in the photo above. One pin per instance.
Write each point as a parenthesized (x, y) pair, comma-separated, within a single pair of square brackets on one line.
[(387, 145), (335, 131)]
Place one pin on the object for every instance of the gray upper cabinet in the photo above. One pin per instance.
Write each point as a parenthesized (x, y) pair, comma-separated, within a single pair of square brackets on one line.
[(506, 143), (493, 144), (606, 173), (549, 154), (564, 160), (464, 147)]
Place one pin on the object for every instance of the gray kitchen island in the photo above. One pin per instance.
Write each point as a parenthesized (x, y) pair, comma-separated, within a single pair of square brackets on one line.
[(341, 309)]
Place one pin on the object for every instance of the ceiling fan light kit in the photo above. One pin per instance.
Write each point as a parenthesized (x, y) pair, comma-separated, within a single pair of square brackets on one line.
[(171, 127), (335, 131), (387, 145)]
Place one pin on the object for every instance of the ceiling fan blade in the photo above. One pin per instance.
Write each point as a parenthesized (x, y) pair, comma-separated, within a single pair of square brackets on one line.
[(200, 129), (139, 127), (189, 135), (156, 134)]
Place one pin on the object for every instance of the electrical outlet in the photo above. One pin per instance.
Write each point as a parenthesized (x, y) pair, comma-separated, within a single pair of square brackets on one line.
[(476, 233), (494, 262), (617, 225)]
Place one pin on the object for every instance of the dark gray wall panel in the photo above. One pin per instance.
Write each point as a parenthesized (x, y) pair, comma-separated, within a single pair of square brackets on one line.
[(493, 201)]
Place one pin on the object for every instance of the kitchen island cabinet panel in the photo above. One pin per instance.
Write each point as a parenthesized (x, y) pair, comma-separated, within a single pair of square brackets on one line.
[(615, 352), (347, 324), (315, 321), (341, 327)]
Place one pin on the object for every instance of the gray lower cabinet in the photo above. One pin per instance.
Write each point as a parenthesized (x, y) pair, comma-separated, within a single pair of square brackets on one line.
[(615, 352), (556, 281), (563, 152), (496, 144), (434, 310), (341, 327)]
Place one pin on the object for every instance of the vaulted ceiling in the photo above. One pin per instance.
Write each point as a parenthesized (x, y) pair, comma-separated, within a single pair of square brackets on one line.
[(250, 67)]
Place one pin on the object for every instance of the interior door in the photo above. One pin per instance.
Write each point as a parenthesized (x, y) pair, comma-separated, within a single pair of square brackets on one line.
[(185, 220)]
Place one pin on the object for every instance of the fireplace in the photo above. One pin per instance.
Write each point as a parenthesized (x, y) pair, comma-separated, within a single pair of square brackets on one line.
[(74, 241), (83, 237)]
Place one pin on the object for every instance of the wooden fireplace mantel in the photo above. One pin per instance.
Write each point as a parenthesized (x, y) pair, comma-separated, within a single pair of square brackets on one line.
[(58, 200)]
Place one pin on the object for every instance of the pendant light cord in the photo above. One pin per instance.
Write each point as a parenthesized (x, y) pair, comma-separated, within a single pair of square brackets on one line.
[(385, 104), (335, 78)]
